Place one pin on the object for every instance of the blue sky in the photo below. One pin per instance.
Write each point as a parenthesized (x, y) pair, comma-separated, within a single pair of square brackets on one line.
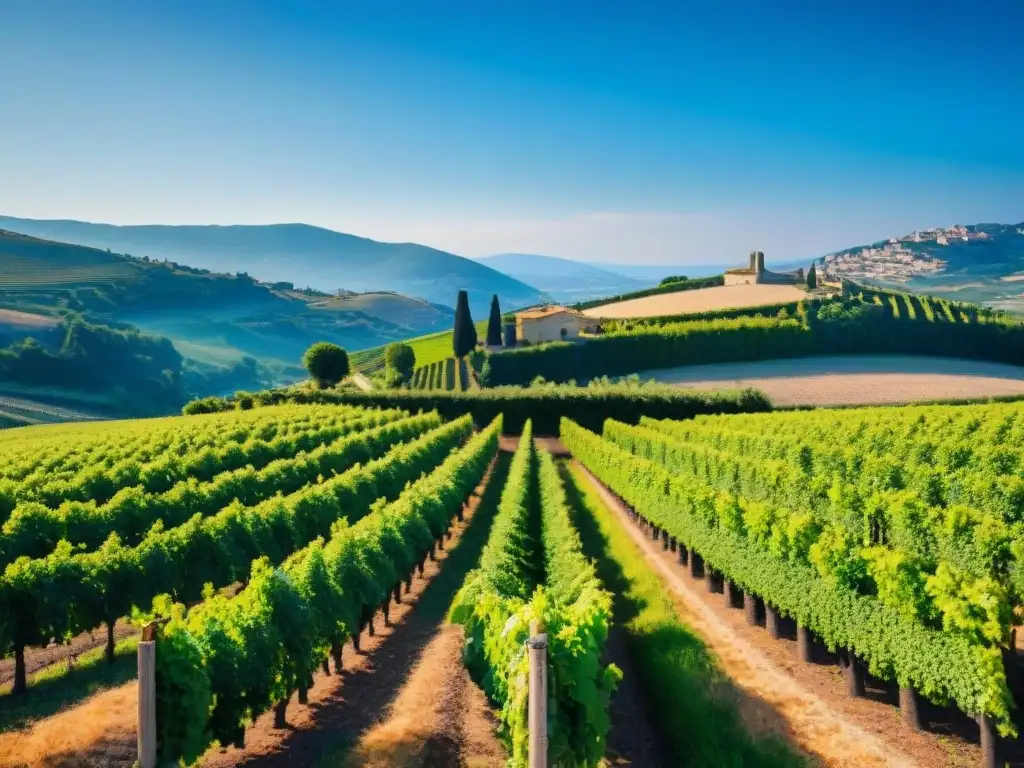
[(640, 132)]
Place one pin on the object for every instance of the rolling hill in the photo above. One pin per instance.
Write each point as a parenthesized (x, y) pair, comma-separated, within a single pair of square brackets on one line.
[(563, 279), (301, 254), (215, 320), (980, 263)]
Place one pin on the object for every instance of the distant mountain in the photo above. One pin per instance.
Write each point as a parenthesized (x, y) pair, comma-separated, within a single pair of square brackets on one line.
[(563, 279), (301, 254), (652, 274), (981, 263)]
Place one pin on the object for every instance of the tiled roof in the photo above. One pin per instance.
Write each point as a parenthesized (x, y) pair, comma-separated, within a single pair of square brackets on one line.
[(536, 314)]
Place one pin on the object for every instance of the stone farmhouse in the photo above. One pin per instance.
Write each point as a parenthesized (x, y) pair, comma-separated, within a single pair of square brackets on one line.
[(552, 323), (755, 273)]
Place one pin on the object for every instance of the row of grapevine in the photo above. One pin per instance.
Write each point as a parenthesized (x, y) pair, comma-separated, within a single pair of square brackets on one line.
[(957, 455), (432, 376), (814, 569), (63, 594), (54, 451), (100, 484), (100, 481), (533, 568), (34, 530), (448, 374), (940, 464), (226, 661), (937, 565)]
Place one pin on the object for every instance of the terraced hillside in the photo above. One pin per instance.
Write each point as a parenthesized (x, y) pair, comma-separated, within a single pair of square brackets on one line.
[(28, 264)]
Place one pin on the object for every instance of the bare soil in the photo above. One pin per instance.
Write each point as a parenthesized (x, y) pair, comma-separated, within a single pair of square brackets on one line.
[(700, 300), (440, 717), (805, 704), (855, 380)]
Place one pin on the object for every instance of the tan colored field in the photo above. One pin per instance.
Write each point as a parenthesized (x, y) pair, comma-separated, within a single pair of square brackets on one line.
[(861, 380), (700, 300)]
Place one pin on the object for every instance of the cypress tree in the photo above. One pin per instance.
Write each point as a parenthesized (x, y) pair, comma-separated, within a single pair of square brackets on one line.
[(494, 324), (812, 278), (464, 337)]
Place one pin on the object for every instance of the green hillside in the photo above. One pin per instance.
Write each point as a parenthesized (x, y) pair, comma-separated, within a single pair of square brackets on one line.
[(231, 331), (27, 264), (301, 254), (432, 348)]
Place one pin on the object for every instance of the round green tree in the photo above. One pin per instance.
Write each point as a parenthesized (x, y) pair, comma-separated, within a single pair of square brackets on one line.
[(400, 359), (327, 363)]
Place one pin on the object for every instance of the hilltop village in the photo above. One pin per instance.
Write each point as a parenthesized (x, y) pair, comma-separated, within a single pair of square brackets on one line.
[(898, 259)]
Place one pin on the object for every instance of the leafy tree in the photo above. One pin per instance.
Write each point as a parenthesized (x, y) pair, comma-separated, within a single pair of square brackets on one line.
[(464, 338), (812, 278), (494, 324), (400, 361), (327, 363)]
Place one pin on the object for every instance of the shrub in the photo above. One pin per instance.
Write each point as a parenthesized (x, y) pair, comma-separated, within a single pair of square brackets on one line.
[(401, 359), (545, 405), (327, 363)]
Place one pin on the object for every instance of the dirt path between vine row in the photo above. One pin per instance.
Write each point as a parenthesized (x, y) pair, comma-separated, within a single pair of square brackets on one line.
[(101, 731), (440, 717), (809, 699), (342, 708)]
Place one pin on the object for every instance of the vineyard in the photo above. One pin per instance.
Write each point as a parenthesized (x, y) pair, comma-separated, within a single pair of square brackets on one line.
[(265, 549), (533, 569), (894, 536), (450, 374)]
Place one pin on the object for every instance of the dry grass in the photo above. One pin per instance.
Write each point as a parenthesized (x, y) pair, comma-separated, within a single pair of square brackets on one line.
[(700, 300), (439, 715), (101, 731), (855, 380)]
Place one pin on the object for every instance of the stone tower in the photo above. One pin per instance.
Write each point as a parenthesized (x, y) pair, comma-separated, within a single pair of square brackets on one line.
[(760, 264)]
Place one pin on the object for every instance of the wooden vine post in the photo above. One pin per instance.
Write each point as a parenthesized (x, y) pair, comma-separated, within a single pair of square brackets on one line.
[(537, 720), (147, 697)]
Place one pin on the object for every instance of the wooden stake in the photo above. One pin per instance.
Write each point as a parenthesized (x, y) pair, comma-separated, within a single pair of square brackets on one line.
[(538, 697), (147, 701)]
